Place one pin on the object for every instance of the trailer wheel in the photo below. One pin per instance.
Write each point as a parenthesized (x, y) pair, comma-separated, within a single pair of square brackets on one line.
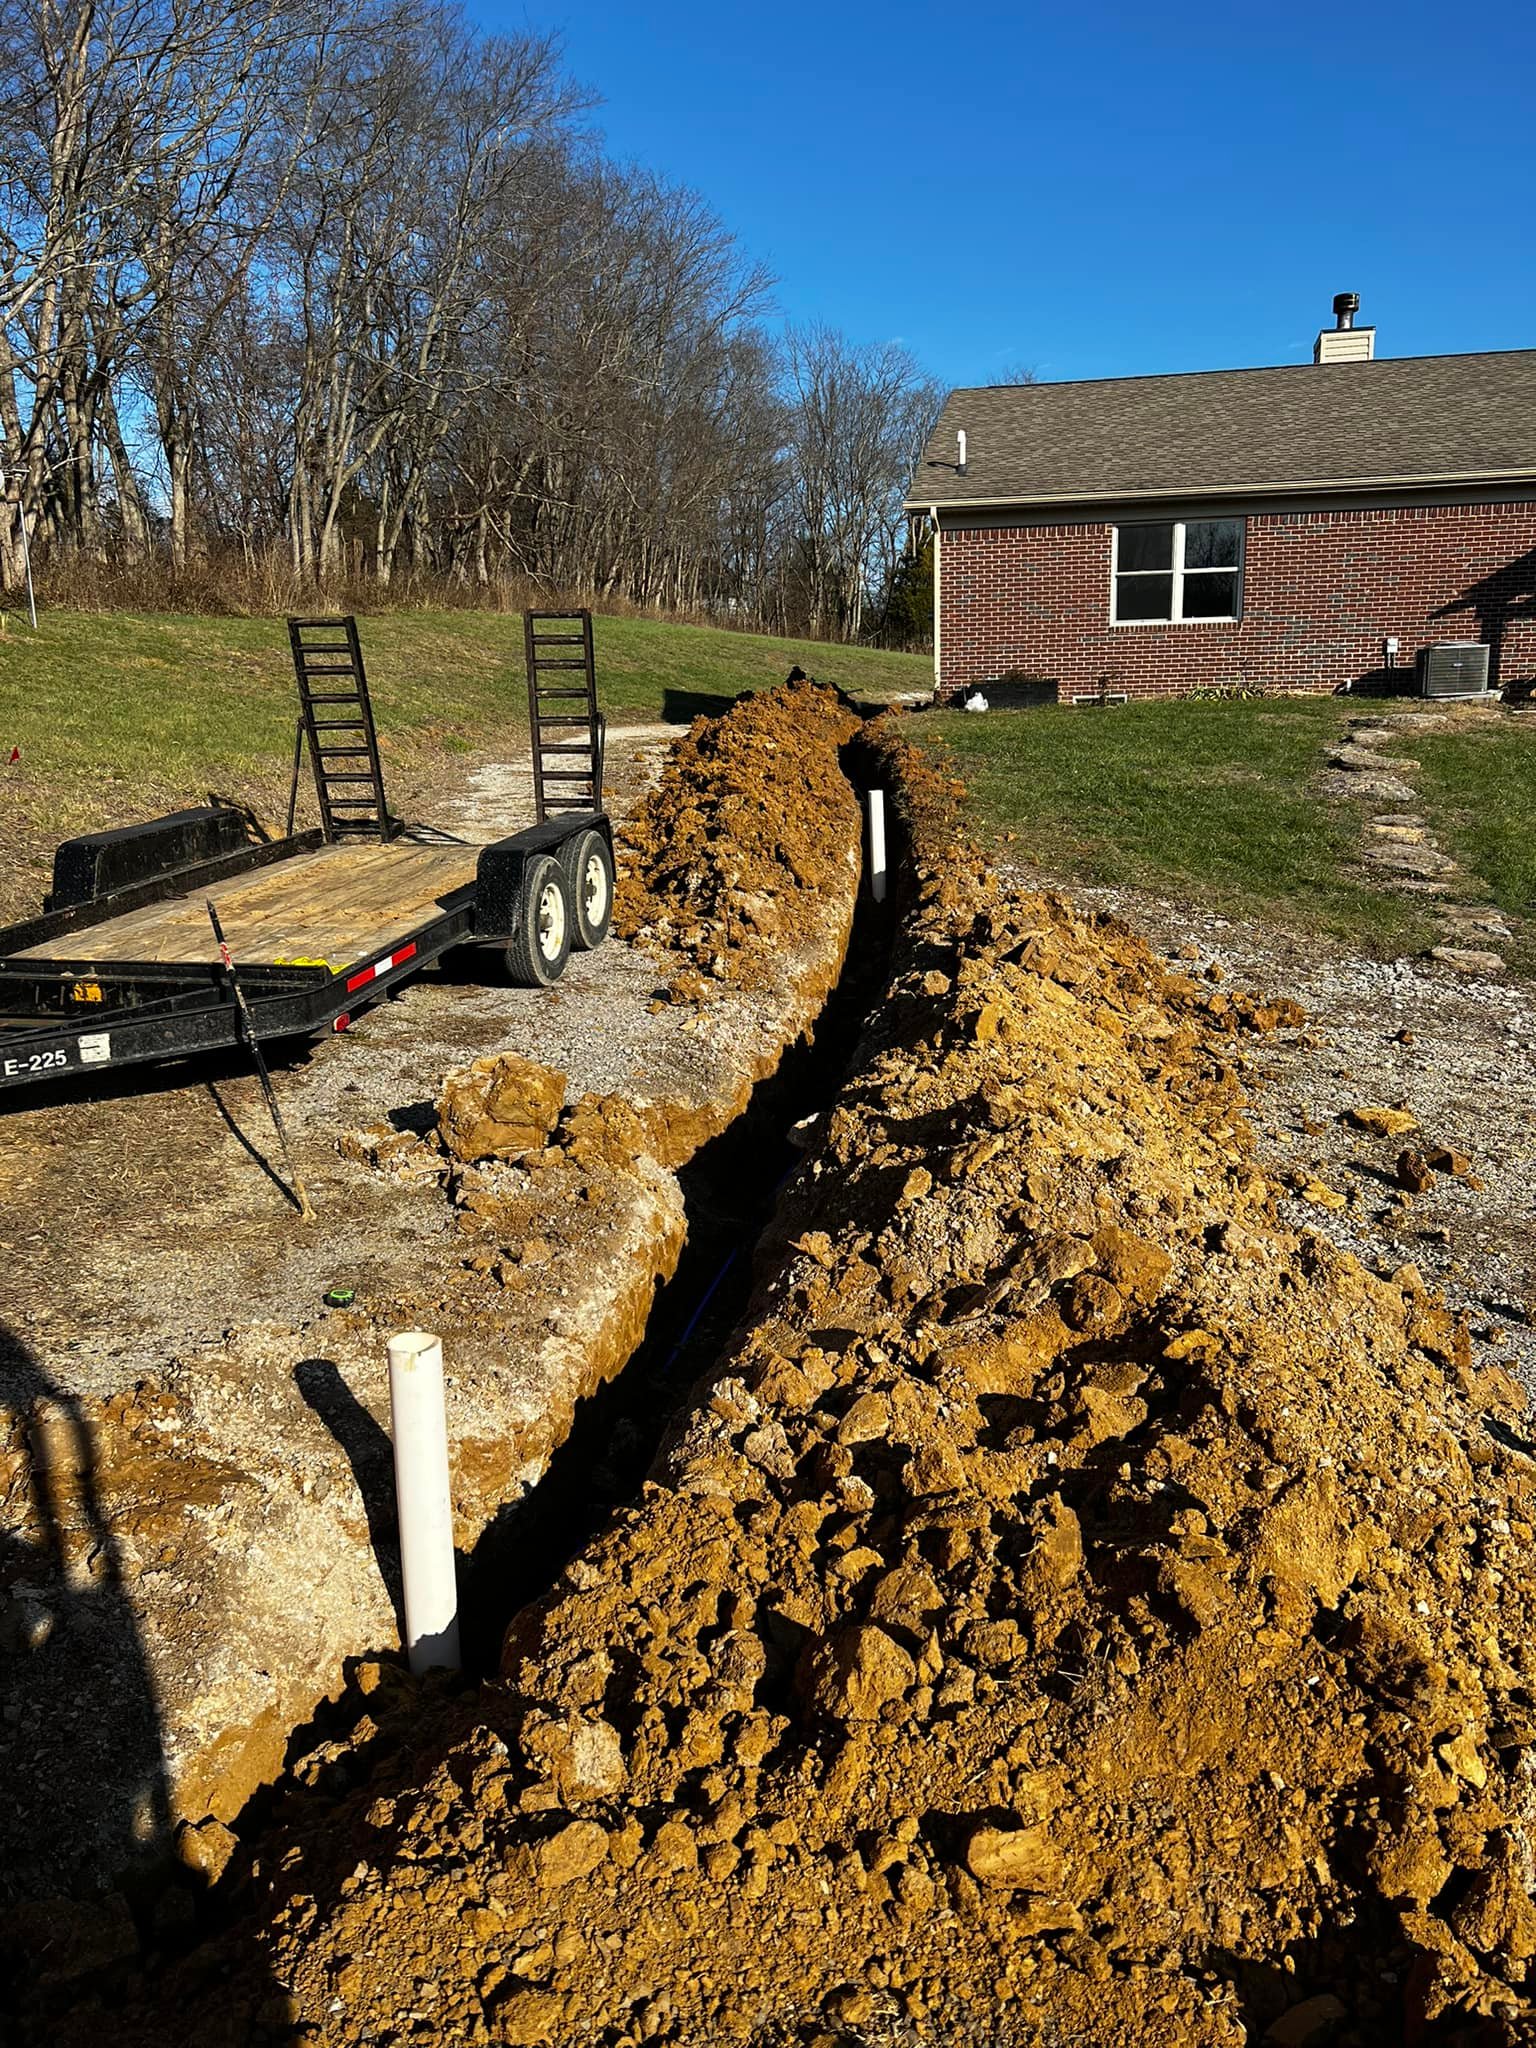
[(588, 866), (541, 944)]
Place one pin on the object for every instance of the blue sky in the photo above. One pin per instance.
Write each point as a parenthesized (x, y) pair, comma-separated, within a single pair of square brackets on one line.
[(1095, 191)]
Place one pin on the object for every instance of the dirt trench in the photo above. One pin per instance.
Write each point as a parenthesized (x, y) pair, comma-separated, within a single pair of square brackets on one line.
[(1075, 1605)]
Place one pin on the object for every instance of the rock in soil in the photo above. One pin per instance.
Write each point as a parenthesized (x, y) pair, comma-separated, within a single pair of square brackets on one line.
[(1468, 959), (502, 1105)]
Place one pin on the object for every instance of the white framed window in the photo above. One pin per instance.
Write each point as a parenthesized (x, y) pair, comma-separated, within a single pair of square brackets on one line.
[(1171, 571)]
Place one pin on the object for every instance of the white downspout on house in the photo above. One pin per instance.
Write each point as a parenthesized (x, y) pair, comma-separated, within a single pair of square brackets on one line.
[(933, 514)]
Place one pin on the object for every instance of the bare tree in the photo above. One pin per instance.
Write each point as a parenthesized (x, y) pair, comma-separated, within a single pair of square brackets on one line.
[(859, 416), (349, 279)]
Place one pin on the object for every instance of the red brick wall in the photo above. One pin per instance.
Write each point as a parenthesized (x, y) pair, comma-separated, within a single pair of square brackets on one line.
[(1321, 590)]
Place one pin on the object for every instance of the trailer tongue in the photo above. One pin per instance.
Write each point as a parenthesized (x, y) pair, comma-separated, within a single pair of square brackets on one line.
[(122, 966)]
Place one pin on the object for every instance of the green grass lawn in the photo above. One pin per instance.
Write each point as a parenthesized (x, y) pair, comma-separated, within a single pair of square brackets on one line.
[(1479, 786), (118, 717), (1210, 802)]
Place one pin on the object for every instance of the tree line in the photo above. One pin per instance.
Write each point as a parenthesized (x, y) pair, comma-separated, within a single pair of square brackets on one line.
[(351, 285)]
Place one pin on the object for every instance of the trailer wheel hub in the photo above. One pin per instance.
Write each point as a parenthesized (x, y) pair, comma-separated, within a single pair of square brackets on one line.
[(594, 891), (552, 920)]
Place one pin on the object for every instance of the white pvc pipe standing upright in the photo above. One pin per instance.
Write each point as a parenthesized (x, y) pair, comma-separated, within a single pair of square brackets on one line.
[(419, 1424), (877, 844)]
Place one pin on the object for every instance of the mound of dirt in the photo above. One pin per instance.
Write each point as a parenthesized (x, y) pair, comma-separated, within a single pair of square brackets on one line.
[(1079, 1609), (744, 835)]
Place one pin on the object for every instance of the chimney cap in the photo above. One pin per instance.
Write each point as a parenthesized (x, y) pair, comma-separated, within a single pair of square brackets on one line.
[(1345, 306)]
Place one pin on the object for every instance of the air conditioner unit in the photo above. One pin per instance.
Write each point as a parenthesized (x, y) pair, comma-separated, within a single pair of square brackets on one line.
[(1453, 668)]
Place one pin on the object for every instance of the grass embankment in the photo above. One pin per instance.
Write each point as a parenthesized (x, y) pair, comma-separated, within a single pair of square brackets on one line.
[(1216, 803), (119, 717)]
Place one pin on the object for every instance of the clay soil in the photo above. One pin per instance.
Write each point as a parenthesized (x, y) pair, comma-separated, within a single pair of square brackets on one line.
[(1083, 1604)]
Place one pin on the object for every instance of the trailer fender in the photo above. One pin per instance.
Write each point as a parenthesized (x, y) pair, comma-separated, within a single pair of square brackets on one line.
[(500, 869)]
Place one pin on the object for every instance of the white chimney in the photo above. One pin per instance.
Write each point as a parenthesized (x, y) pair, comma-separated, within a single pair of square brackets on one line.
[(1344, 342)]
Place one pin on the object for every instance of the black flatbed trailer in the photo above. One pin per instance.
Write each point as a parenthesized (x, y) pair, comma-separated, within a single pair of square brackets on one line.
[(123, 966), (318, 930)]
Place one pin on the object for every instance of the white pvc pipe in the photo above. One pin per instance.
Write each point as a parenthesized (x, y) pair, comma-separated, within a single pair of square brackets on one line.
[(877, 844), (419, 1423)]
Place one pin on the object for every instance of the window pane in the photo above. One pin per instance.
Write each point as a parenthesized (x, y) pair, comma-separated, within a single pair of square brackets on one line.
[(1211, 544), (1143, 597), (1146, 547), (1210, 596)]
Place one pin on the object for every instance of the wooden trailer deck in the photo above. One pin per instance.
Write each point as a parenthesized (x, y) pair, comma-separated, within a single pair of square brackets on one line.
[(330, 908)]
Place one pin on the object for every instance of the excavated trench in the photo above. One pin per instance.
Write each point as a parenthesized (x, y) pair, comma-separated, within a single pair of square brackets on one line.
[(1067, 1603), (729, 1188)]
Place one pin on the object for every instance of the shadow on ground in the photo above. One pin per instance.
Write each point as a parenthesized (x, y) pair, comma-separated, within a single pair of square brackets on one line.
[(682, 707), (90, 1888)]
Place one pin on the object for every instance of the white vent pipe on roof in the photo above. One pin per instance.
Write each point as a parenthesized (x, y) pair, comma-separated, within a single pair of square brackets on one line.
[(960, 437)]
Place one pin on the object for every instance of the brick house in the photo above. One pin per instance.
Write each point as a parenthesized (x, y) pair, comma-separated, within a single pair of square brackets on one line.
[(1296, 529)]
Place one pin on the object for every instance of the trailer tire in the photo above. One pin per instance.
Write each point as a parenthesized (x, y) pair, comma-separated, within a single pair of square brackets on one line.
[(588, 863), (541, 941)]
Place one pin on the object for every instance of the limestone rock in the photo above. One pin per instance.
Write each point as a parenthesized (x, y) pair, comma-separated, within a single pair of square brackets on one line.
[(674, 1847), (403, 1155), (501, 1105), (1497, 1917), (1423, 861), (1467, 959), (527, 2019), (866, 1421), (1056, 1554), (1102, 1415), (1446, 1160), (934, 1469), (1409, 1863), (1379, 787), (584, 1758), (1459, 1754), (1366, 760), (907, 1596)]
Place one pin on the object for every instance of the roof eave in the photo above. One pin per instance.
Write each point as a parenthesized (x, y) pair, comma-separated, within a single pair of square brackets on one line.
[(1306, 487)]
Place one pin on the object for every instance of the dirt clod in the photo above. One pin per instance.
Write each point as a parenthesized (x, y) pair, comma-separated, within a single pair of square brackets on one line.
[(1019, 1859), (1382, 1122), (857, 1673), (1414, 1171), (501, 1106), (572, 1854)]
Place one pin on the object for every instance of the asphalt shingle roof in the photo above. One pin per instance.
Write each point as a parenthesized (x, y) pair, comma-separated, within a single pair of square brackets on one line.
[(1317, 426)]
